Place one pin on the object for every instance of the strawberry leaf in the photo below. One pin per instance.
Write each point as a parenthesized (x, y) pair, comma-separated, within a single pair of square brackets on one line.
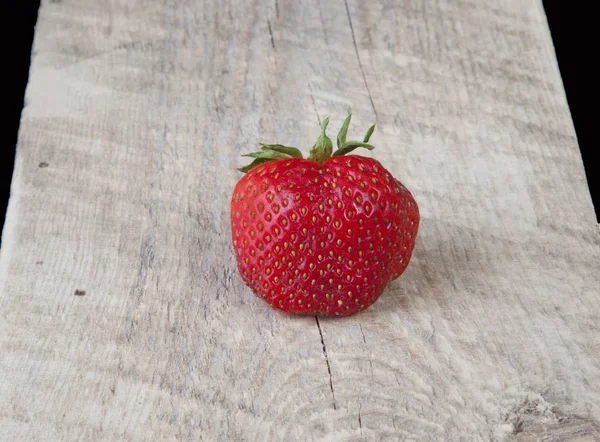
[(341, 138), (261, 157), (368, 134), (291, 151), (253, 164), (350, 146), (267, 154)]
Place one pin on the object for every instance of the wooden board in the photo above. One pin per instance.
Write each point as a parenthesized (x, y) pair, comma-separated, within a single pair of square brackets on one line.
[(123, 316)]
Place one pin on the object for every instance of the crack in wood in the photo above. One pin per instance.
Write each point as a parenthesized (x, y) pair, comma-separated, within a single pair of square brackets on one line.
[(312, 97), (360, 418), (366, 345), (363, 334), (271, 34), (323, 25), (360, 65), (327, 362)]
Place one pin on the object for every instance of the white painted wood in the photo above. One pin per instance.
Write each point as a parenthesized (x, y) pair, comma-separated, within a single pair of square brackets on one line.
[(136, 116)]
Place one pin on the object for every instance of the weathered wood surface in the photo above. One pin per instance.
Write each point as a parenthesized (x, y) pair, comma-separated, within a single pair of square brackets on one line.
[(136, 115)]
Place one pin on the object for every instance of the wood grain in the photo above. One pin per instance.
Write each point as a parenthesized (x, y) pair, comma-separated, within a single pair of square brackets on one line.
[(123, 317)]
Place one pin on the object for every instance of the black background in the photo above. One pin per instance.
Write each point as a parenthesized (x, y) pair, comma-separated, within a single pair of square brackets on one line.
[(567, 25)]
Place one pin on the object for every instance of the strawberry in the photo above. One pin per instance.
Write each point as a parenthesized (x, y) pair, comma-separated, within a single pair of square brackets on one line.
[(324, 235)]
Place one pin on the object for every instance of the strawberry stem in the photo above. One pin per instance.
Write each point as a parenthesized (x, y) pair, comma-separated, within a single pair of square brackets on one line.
[(323, 148)]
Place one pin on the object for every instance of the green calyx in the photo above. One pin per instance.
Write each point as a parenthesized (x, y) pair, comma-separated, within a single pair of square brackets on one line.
[(321, 151)]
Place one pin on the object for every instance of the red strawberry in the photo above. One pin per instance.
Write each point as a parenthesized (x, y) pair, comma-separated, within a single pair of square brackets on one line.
[(323, 235)]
